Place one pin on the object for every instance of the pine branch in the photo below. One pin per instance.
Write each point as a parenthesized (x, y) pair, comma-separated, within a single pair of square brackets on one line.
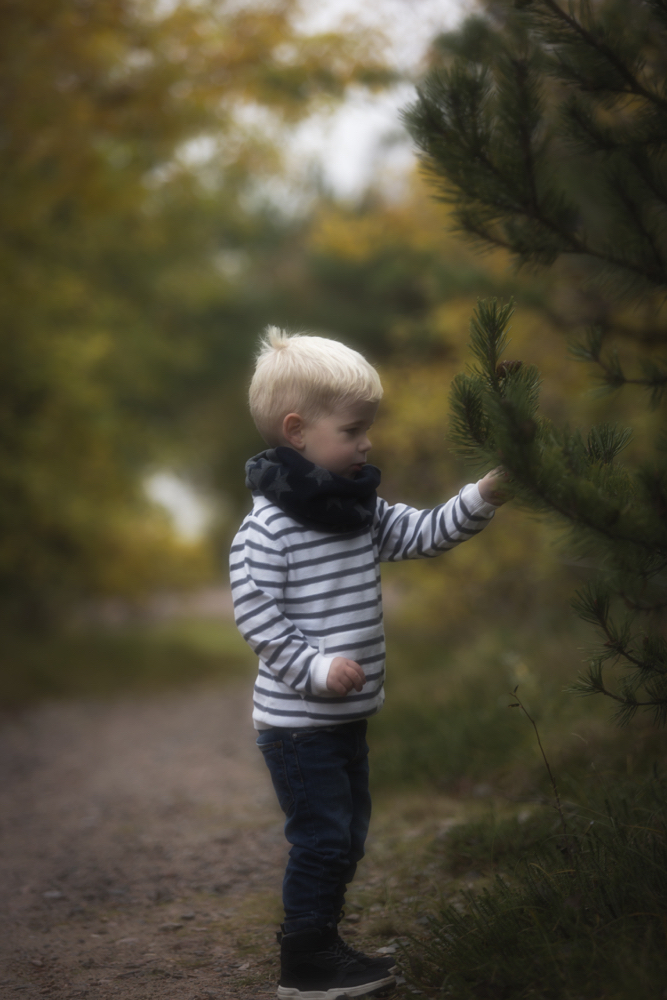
[(633, 85), (590, 349), (468, 227), (605, 442), (488, 335), (592, 683), (645, 335), (619, 183), (495, 417), (574, 516), (451, 123), (447, 131), (593, 606)]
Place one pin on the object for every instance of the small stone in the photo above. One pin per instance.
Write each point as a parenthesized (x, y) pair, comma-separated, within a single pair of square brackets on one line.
[(352, 918), (242, 968), (52, 894), (170, 927), (188, 916)]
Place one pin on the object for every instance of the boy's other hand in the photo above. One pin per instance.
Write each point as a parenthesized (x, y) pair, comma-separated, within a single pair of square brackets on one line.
[(344, 675), (493, 488)]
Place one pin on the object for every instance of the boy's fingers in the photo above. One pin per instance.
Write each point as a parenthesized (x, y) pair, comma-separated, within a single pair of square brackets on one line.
[(356, 675), (337, 685), (344, 675)]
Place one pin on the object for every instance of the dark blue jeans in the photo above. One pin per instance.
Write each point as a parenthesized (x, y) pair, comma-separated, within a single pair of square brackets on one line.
[(321, 780)]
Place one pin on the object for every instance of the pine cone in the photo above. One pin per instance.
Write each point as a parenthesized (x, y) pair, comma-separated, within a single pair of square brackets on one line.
[(507, 367)]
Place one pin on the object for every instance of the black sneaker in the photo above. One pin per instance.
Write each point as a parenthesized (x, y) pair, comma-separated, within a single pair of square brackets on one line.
[(380, 962), (316, 965)]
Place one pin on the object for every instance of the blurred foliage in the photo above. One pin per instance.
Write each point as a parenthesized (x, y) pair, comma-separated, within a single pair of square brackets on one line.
[(142, 658), (116, 291), (446, 723)]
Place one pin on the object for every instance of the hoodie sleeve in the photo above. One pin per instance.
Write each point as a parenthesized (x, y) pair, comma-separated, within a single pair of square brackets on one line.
[(405, 533), (258, 572)]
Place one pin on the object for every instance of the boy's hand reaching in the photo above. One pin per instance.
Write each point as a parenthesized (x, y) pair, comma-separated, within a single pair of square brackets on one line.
[(344, 675), (493, 489)]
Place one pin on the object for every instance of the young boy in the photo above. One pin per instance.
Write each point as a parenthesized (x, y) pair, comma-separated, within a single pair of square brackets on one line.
[(306, 585)]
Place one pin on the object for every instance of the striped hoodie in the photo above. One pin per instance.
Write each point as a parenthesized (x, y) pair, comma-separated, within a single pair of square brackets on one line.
[(303, 597)]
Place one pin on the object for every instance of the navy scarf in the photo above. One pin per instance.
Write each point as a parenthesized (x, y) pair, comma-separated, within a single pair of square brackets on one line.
[(317, 498)]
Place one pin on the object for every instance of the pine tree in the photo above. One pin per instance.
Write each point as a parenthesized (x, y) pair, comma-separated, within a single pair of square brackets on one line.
[(544, 125)]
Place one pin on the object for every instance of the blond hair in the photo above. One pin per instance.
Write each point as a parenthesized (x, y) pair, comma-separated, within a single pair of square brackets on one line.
[(307, 375)]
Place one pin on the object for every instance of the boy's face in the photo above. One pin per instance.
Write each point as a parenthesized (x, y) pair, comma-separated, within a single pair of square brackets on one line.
[(337, 442)]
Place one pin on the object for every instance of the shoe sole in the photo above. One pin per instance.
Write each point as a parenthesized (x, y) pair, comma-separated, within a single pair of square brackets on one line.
[(364, 990)]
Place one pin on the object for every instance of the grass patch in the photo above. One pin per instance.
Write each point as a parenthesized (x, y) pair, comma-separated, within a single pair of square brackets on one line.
[(102, 662), (588, 924), (494, 841)]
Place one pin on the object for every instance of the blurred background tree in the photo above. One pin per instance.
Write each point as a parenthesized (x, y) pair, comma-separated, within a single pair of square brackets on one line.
[(120, 299)]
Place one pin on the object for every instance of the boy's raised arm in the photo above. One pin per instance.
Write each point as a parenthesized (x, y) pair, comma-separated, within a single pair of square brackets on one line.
[(406, 533)]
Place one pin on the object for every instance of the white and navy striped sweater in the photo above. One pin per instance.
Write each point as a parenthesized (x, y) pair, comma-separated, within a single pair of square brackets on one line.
[(303, 597)]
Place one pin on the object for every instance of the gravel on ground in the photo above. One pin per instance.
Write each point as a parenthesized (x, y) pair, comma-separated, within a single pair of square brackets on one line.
[(141, 850)]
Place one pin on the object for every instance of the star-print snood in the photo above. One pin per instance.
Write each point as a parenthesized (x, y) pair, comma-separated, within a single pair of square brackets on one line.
[(317, 498)]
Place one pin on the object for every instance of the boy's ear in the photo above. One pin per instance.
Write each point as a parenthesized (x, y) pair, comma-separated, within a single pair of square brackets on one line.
[(293, 427)]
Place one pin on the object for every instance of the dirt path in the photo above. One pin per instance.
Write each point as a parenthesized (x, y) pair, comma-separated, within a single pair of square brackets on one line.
[(141, 851)]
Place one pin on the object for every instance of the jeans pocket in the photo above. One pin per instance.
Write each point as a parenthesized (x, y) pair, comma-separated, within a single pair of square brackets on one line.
[(275, 761)]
